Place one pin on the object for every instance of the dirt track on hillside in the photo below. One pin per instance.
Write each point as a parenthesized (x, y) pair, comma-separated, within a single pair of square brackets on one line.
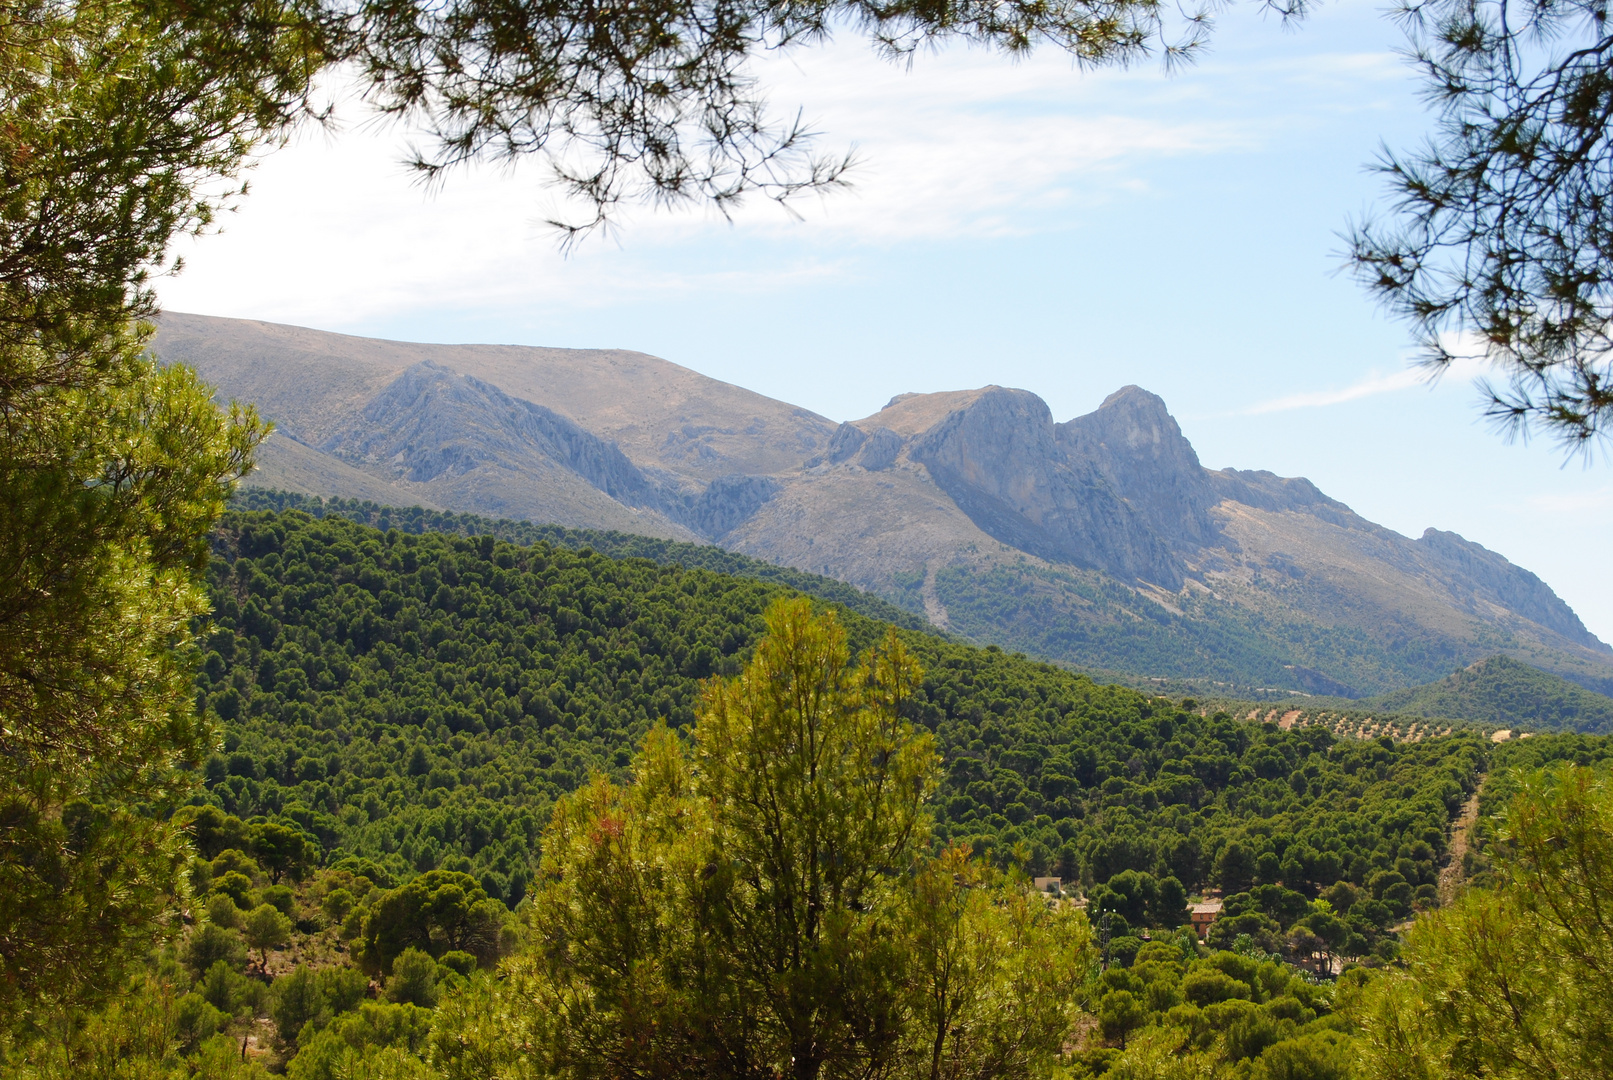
[(1451, 876)]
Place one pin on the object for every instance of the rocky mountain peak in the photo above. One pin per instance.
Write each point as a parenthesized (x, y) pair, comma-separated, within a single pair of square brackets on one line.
[(998, 456), (1139, 418), (1136, 445), (1118, 490)]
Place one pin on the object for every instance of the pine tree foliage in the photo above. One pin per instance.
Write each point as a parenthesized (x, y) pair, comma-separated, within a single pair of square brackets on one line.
[(121, 125), (1516, 981), (657, 103), (616, 545), (766, 905), (1498, 244)]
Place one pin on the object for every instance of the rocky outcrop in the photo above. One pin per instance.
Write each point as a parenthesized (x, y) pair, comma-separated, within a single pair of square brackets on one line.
[(1135, 444), (728, 502), (875, 451), (847, 440), (880, 451), (1000, 460), (1118, 490), (430, 421), (431, 424), (1278, 494)]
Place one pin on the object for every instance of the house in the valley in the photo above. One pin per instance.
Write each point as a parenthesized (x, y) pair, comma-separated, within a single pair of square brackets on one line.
[(1203, 914)]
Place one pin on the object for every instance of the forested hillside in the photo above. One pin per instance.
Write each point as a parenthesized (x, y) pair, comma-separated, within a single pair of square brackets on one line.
[(421, 700), (1505, 693), (410, 722), (618, 545)]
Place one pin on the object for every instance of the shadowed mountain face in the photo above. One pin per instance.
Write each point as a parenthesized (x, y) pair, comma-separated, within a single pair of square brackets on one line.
[(1101, 541), (431, 426), (430, 422)]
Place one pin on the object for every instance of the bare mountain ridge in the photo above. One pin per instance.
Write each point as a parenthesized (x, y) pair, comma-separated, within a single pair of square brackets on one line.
[(1101, 541)]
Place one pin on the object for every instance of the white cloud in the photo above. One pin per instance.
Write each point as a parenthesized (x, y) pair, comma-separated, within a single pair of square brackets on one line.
[(1576, 502), (1468, 364), (1376, 384), (966, 144)]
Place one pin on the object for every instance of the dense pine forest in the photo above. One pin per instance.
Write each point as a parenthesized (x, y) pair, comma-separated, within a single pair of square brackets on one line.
[(617, 545), (406, 716), (422, 700)]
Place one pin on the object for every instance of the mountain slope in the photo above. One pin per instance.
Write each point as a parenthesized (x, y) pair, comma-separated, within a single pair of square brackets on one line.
[(1100, 542), (1502, 691), (615, 545)]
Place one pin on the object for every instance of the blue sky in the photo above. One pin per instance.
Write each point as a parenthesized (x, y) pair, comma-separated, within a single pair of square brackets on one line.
[(1019, 223)]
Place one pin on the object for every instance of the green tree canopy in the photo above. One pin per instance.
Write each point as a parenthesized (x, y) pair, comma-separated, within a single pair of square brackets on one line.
[(265, 928), (821, 783), (121, 124), (283, 850), (766, 906), (439, 911), (1517, 981)]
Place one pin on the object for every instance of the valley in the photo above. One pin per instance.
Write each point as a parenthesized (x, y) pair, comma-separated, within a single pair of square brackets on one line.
[(415, 701)]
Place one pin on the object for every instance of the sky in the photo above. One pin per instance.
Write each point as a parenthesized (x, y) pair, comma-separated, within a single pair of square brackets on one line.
[(1021, 223)]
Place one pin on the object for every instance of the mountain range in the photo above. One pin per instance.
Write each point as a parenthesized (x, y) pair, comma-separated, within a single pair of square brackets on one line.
[(1099, 542)]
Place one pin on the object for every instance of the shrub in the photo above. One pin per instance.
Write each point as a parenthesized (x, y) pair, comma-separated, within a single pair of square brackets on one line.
[(1159, 951), (1119, 1015), (229, 991), (233, 860), (343, 988), (336, 904), (264, 928), (1123, 950), (221, 911), (235, 885), (1208, 987), (462, 962), (211, 944), (1320, 1055), (440, 907), (295, 1002), (279, 897), (414, 979), (195, 1019), (376, 1041)]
